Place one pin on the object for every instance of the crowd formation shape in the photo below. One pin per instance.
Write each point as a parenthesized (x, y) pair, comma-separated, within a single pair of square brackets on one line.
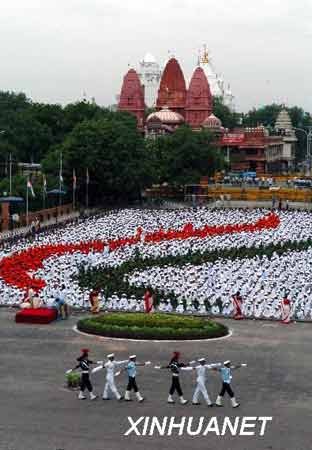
[(102, 241)]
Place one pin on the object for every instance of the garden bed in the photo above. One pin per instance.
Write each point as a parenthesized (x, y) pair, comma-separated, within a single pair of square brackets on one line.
[(152, 326)]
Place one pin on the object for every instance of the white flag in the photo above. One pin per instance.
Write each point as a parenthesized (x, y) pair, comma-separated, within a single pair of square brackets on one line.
[(29, 186), (44, 179)]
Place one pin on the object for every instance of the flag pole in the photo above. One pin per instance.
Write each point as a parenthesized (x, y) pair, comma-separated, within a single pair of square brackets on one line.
[(43, 191), (74, 189), (60, 178), (27, 200), (87, 189)]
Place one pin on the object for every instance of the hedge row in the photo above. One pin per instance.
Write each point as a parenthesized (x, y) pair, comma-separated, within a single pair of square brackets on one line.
[(154, 326)]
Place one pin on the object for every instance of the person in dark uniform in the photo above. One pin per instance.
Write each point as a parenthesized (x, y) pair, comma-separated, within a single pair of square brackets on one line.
[(175, 365), (84, 365)]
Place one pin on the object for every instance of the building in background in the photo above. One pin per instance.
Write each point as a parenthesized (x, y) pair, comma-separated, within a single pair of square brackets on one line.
[(198, 106), (260, 151), (216, 82), (254, 150), (150, 74), (281, 151), (162, 122), (131, 97), (245, 149), (172, 89)]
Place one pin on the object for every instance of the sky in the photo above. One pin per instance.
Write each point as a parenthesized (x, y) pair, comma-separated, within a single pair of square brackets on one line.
[(55, 50)]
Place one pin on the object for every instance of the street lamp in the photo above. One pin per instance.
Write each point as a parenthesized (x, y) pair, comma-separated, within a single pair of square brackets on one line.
[(309, 137), (10, 167)]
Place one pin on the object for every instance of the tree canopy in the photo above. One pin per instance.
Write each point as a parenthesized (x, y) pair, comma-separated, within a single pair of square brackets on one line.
[(107, 143)]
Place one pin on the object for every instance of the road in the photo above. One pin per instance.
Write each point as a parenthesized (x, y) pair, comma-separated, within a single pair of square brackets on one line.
[(38, 413)]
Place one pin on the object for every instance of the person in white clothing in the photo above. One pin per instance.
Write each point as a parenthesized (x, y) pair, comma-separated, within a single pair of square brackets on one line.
[(110, 385), (201, 372)]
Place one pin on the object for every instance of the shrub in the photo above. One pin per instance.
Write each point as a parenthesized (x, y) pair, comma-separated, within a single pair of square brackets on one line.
[(73, 379), (152, 326)]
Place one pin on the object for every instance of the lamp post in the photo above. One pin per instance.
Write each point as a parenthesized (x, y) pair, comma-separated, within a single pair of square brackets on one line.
[(10, 173), (2, 132), (308, 152), (10, 167)]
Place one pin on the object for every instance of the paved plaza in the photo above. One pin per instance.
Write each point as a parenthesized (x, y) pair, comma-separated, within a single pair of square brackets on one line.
[(38, 413)]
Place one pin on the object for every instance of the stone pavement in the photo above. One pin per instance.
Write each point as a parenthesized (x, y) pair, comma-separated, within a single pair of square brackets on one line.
[(38, 413)]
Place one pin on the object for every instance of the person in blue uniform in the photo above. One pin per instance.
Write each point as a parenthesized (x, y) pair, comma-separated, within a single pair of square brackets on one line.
[(226, 376), (131, 369)]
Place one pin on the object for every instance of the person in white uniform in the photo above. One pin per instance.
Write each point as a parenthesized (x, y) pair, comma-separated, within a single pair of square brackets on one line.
[(110, 385), (201, 372)]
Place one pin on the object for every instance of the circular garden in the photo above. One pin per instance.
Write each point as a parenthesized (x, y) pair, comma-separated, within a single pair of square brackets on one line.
[(158, 326)]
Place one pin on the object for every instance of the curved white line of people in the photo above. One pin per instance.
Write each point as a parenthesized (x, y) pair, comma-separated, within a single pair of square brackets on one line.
[(262, 282), (175, 366)]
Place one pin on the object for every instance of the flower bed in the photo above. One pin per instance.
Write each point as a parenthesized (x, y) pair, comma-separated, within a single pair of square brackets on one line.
[(152, 326)]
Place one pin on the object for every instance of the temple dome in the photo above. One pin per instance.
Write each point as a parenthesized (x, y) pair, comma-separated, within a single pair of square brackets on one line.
[(283, 121), (212, 122), (166, 116), (172, 89), (198, 99), (132, 97), (149, 58)]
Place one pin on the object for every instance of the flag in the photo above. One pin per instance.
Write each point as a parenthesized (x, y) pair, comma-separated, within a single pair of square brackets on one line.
[(61, 178), (30, 187), (74, 180), (44, 182), (87, 176)]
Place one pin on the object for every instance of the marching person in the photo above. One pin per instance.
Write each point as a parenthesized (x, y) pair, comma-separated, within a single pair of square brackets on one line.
[(201, 371), (110, 376), (132, 371), (286, 310), (84, 365), (226, 376), (175, 365), (237, 304)]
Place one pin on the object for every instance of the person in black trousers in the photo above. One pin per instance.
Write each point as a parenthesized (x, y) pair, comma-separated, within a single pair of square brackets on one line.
[(85, 383), (175, 365), (132, 385), (226, 377)]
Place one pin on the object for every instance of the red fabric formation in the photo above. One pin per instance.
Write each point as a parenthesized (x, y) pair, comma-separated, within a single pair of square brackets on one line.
[(36, 315), (16, 269)]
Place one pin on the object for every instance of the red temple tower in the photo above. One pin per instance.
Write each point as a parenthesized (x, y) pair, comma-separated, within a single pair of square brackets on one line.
[(198, 99), (132, 96), (172, 89)]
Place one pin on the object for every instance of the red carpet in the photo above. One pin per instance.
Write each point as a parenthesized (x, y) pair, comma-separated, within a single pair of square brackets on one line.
[(38, 315)]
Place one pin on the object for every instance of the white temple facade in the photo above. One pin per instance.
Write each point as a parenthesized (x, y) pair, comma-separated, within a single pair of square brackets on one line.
[(216, 83), (150, 74)]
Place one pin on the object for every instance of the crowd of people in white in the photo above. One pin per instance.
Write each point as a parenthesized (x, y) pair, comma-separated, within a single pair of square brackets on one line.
[(262, 282)]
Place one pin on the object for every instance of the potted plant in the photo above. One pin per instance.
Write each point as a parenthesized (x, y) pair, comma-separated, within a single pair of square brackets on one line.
[(73, 380)]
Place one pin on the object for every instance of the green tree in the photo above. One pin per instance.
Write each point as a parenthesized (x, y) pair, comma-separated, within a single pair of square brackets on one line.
[(113, 151), (228, 118), (185, 156)]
